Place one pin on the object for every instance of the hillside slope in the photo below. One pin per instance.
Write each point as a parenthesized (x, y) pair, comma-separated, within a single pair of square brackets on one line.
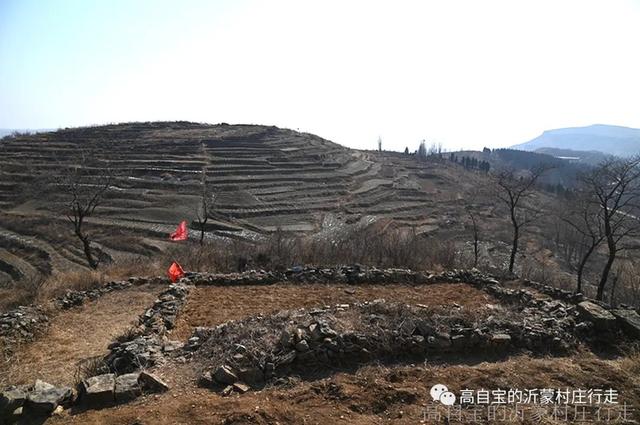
[(264, 178)]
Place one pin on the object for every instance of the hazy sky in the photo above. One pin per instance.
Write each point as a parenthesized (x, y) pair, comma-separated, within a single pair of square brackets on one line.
[(462, 73)]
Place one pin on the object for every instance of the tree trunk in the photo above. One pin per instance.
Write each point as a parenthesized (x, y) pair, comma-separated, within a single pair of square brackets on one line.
[(613, 290), (514, 248), (605, 275), (582, 265), (475, 249), (203, 223), (87, 249), (611, 245)]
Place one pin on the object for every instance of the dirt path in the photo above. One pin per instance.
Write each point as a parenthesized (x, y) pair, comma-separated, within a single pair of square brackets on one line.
[(75, 335), (210, 306)]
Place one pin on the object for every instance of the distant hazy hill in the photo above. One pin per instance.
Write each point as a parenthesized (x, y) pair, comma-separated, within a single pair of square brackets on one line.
[(584, 157), (609, 139)]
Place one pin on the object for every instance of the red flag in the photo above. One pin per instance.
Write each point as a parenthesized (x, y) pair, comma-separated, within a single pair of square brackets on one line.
[(175, 272), (181, 232)]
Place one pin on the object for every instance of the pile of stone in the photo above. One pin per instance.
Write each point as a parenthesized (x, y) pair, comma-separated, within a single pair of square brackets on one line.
[(592, 319), (141, 352), (473, 276), (22, 322), (249, 353), (355, 274), (30, 403), (599, 317)]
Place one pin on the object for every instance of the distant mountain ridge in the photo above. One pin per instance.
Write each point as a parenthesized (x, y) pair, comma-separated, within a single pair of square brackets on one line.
[(608, 139)]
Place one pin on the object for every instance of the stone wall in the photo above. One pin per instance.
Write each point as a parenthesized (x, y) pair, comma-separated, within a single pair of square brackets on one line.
[(76, 298), (146, 346), (354, 274), (600, 316)]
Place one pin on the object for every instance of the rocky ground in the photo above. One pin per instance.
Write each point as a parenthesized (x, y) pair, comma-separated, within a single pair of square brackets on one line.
[(357, 345), (379, 394)]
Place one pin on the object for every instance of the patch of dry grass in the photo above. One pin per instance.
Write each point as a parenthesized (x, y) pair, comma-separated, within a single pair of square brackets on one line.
[(631, 362)]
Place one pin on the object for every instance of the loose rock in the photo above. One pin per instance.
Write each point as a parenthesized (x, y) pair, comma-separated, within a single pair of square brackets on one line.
[(601, 318), (98, 391), (151, 383), (629, 321), (225, 375), (127, 387), (45, 398)]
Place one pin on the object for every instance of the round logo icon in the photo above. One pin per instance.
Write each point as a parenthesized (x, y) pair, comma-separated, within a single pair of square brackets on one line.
[(437, 390), (448, 398)]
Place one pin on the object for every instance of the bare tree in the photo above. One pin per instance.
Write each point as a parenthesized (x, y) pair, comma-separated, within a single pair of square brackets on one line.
[(84, 183), (207, 202), (476, 235), (586, 219), (615, 189), (513, 191)]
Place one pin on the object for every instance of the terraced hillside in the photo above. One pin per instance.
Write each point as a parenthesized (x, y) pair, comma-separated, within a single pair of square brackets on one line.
[(264, 178)]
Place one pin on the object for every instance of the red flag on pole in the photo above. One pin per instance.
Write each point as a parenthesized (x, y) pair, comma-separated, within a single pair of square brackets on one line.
[(181, 232), (175, 272)]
